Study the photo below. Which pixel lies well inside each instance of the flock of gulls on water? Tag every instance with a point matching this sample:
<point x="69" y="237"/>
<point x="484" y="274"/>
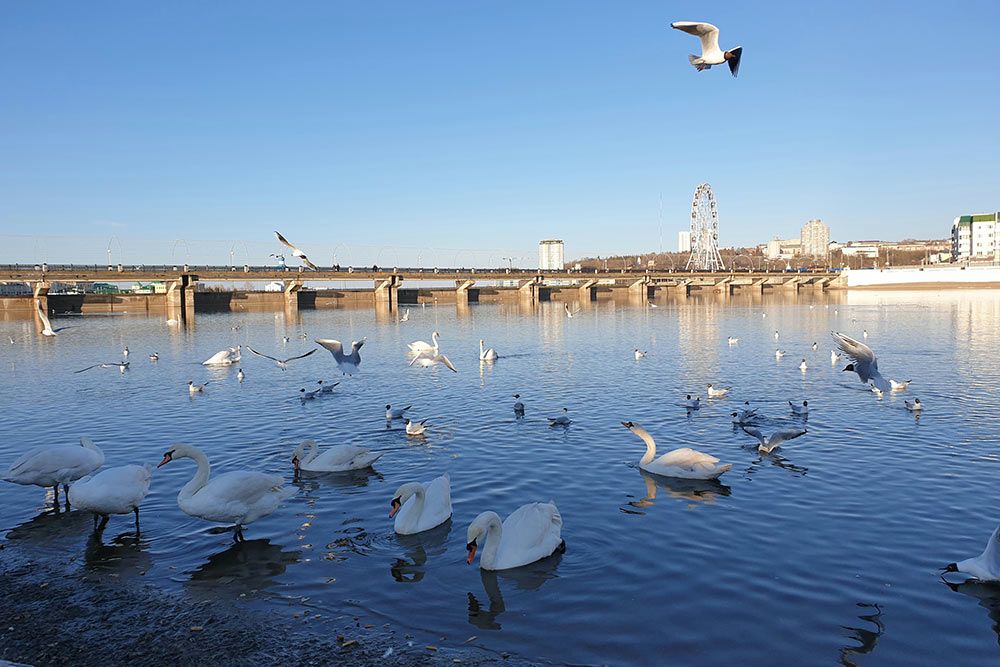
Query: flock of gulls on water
<point x="530" y="533"/>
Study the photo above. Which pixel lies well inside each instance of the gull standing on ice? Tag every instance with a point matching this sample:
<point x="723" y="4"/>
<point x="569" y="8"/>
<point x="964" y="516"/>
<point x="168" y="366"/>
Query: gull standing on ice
<point x="711" y="54"/>
<point x="767" y="445"/>
<point x="296" y="252"/>
<point x="865" y="363"/>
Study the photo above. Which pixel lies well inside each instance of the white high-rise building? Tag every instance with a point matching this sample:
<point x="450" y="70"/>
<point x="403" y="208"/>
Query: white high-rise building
<point x="551" y="255"/>
<point x="684" y="241"/>
<point x="815" y="239"/>
<point x="976" y="236"/>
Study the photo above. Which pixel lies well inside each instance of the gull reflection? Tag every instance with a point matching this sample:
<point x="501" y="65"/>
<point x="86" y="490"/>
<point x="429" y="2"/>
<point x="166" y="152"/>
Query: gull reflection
<point x="527" y="578"/>
<point x="417" y="548"/>
<point x="694" y="491"/>
<point x="866" y="637"/>
<point x="252" y="564"/>
<point x="988" y="595"/>
<point x="775" y="459"/>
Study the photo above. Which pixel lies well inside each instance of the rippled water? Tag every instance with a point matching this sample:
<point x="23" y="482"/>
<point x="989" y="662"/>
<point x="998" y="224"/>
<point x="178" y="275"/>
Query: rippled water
<point x="825" y="552"/>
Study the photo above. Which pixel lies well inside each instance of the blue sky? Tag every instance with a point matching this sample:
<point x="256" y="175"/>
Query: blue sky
<point x="492" y="124"/>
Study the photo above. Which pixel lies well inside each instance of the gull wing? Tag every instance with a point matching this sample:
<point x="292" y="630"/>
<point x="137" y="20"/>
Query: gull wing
<point x="264" y="355"/>
<point x="707" y="32"/>
<point x="285" y="242"/>
<point x="757" y="434"/>
<point x="734" y="63"/>
<point x="335" y="346"/>
<point x="285" y="361"/>
<point x="305" y="260"/>
<point x="89" y="367"/>
<point x="41" y="314"/>
<point x="446" y="361"/>
<point x="781" y="436"/>
<point x="865" y="361"/>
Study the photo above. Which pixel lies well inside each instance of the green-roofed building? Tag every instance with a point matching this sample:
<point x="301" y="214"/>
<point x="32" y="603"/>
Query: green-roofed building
<point x="975" y="237"/>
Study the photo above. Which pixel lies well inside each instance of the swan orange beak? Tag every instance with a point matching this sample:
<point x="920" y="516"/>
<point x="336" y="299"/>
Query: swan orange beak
<point x="395" y="507"/>
<point x="165" y="461"/>
<point x="471" y="547"/>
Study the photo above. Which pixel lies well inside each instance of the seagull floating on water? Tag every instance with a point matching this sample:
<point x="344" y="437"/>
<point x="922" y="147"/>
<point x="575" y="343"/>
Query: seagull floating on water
<point x="326" y="388"/>
<point x="155" y="356"/>
<point x="196" y="388"/>
<point x="834" y="357"/>
<point x="296" y="252"/>
<point x="733" y="341"/>
<point x="717" y="393"/>
<point x="308" y="395"/>
<point x="803" y="366"/>
<point x="693" y="403"/>
<point x="899" y="386"/>
<point x="406" y="316"/>
<point x="241" y="375"/>
<point x="801" y="410"/>
<point x="571" y="313"/>
<point x="347" y="363"/>
<point x="561" y="420"/>
<point x="639" y="355"/>
<point x="913" y="406"/>
<point x="876" y="390"/>
<point x="768" y="445"/>
<point x="744" y="416"/>
<point x="415" y="428"/>
<point x="865" y="363"/>
<point x="711" y="54"/>
<point x="815" y="345"/>
<point x="778" y="354"/>
<point x="391" y="414"/>
<point x="282" y="363"/>
<point x="518" y="405"/>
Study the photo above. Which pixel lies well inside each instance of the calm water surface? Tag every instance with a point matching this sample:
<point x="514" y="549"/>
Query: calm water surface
<point x="825" y="552"/>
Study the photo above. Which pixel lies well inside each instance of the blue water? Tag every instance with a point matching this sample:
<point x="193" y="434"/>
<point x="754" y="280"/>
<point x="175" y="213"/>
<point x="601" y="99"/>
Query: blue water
<point x="824" y="552"/>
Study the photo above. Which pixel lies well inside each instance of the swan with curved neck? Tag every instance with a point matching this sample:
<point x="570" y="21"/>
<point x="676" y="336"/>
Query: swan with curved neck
<point x="335" y="459"/>
<point x="419" y="507"/>
<point x="423" y="346"/>
<point x="52" y="466"/>
<point x="239" y="497"/>
<point x="486" y="355"/>
<point x="685" y="463"/>
<point x="530" y="533"/>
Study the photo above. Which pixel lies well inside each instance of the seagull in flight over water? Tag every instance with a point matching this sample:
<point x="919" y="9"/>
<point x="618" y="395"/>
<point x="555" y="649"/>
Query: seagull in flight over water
<point x="122" y="366"/>
<point x="865" y="364"/>
<point x="767" y="445"/>
<point x="711" y="54"/>
<point x="282" y="363"/>
<point x="348" y="363"/>
<point x="296" y="252"/>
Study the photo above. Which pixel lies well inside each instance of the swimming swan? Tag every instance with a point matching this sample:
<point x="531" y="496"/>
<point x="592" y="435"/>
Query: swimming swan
<point x="335" y="459"/>
<point x="532" y="532"/>
<point x="419" y="507"/>
<point x="685" y="462"/>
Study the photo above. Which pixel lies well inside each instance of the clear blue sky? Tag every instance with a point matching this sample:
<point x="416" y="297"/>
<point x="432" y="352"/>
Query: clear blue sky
<point x="493" y="124"/>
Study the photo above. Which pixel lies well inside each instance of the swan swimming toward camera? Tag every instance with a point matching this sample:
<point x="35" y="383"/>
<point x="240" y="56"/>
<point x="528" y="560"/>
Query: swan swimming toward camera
<point x="531" y="532"/>
<point x="421" y="506"/>
<point x="486" y="355"/>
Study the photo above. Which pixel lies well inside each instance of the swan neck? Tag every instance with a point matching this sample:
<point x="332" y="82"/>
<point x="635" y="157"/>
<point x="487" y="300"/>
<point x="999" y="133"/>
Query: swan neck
<point x="494" y="533"/>
<point x="313" y="451"/>
<point x="650" y="446"/>
<point x="200" y="478"/>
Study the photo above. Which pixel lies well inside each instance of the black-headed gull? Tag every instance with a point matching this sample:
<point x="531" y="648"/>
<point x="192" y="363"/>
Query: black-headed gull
<point x="415" y="428"/>
<point x="518" y="404"/>
<point x="803" y="366"/>
<point x="714" y="392"/>
<point x="282" y="363"/>
<point x="865" y="363"/>
<point x="801" y="410"/>
<point x="196" y="388"/>
<point x="769" y="444"/>
<point x="347" y="363"/>
<point x="985" y="566"/>
<point x="914" y="406"/>
<point x="391" y="414"/>
<point x="296" y="252"/>
<point x="692" y="403"/>
<point x="711" y="54"/>
<point x="899" y="386"/>
<point x="561" y="420"/>
<point x="121" y="365"/>
<point x="639" y="355"/>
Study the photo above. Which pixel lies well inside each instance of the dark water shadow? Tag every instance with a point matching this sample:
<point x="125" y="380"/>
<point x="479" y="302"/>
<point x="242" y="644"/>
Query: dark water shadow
<point x="245" y="566"/>
<point x="309" y="482"/>
<point x="124" y="555"/>
<point x="692" y="490"/>
<point x="528" y="578"/>
<point x="988" y="595"/>
<point x="52" y="524"/>
<point x="867" y="638"/>
<point x="775" y="459"/>
<point x="416" y="550"/>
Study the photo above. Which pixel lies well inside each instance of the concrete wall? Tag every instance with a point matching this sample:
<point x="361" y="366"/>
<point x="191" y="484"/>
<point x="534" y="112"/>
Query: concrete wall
<point x="929" y="276"/>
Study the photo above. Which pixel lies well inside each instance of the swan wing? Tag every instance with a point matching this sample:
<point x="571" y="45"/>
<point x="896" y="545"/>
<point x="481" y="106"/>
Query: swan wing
<point x="112" y="491"/>
<point x="63" y="463"/>
<point x="337" y="456"/>
<point x="530" y="533"/>
<point x="240" y="489"/>
<point x="707" y="32"/>
<point x="220" y="357"/>
<point x="685" y="457"/>
<point x="437" y="502"/>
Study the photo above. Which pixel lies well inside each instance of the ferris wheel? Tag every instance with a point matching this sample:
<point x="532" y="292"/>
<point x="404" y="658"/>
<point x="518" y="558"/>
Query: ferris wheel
<point x="704" y="232"/>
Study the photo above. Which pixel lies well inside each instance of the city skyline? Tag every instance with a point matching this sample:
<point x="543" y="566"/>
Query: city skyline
<point x="422" y="126"/>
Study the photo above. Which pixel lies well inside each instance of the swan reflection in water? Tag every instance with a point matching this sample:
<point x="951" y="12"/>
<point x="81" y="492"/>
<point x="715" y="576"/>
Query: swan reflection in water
<point x="988" y="595"/>
<point x="310" y="482"/>
<point x="417" y="549"/>
<point x="529" y="577"/>
<point x="52" y="524"/>
<point x="252" y="564"/>
<point x="867" y="637"/>
<point x="694" y="491"/>
<point x="124" y="555"/>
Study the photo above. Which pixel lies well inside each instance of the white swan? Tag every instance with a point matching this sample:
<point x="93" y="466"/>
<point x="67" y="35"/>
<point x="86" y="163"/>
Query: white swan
<point x="347" y="363"/>
<point x="239" y="497"/>
<point x="51" y="466"/>
<point x="684" y="462"/>
<point x="419" y="507"/>
<point x="767" y="445"/>
<point x="224" y="357"/>
<point x="335" y="459"/>
<point x="116" y="490"/>
<point x="711" y="54"/>
<point x="423" y="346"/>
<point x="46" y="326"/>
<point x="486" y="355"/>
<point x="985" y="566"/>
<point x="532" y="532"/>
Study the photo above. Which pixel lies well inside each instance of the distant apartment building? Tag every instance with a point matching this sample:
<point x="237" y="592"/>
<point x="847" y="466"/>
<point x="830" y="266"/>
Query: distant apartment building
<point x="815" y="239"/>
<point x="862" y="248"/>
<point x="975" y="237"/>
<point x="551" y="255"/>
<point x="684" y="241"/>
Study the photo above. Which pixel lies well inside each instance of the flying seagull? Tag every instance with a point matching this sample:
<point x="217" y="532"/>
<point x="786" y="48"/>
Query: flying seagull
<point x="296" y="252"/>
<point x="711" y="54"/>
<point x="282" y="363"/>
<point x="348" y="363"/>
<point x="122" y="366"/>
<point x="47" y="329"/>
<point x="769" y="444"/>
<point x="865" y="363"/>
